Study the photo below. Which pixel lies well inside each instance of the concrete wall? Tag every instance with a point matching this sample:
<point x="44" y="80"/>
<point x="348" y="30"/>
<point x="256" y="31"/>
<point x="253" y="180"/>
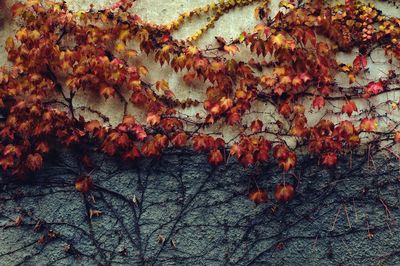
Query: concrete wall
<point x="187" y="213"/>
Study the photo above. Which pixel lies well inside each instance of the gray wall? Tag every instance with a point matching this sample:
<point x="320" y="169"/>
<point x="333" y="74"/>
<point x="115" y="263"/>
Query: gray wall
<point x="204" y="212"/>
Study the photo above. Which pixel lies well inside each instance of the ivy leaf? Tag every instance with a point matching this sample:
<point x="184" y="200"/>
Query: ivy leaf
<point x="34" y="162"/>
<point x="258" y="195"/>
<point x="18" y="220"/>
<point x="256" y="126"/>
<point x="318" y="102"/>
<point x="153" y="119"/>
<point x="359" y="63"/>
<point x="374" y="88"/>
<point x="215" y="157"/>
<point x="231" y="49"/>
<point x="132" y="154"/>
<point x="329" y="159"/>
<point x="289" y="162"/>
<point x="84" y="183"/>
<point x="17" y="9"/>
<point x="94" y="213"/>
<point x="349" y="107"/>
<point x="179" y="140"/>
<point x="369" y="124"/>
<point x="397" y="137"/>
<point x="284" y="192"/>
<point x="107" y="91"/>
<point x="92" y="125"/>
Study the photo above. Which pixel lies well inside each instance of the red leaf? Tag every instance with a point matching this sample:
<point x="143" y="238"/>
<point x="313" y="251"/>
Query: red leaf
<point x="318" y="102"/>
<point x="329" y="159"/>
<point x="285" y="109"/>
<point x="289" y="162"/>
<point x="92" y="125"/>
<point x="215" y="157"/>
<point x="17" y="9"/>
<point x="374" y="88"/>
<point x="256" y="126"/>
<point x="349" y="107"/>
<point x="281" y="151"/>
<point x="42" y="147"/>
<point x="107" y="91"/>
<point x="84" y="184"/>
<point x="258" y="195"/>
<point x="369" y="124"/>
<point x="284" y="192"/>
<point x="309" y="35"/>
<point x="6" y="162"/>
<point x="34" y="162"/>
<point x="179" y="140"/>
<point x="153" y="119"/>
<point x="247" y="160"/>
<point x="132" y="154"/>
<point x="360" y="62"/>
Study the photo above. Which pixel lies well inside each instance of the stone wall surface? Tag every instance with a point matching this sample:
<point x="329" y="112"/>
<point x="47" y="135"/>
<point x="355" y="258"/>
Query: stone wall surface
<point x="180" y="211"/>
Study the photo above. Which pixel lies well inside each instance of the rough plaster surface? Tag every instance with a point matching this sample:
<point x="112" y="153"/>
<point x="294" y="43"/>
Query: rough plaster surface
<point x="203" y="214"/>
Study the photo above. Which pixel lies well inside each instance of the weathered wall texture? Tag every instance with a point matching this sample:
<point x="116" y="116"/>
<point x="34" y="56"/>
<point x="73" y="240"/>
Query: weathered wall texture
<point x="343" y="216"/>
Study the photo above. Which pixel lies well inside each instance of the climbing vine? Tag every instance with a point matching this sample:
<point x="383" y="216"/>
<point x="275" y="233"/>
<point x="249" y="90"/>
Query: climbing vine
<point x="57" y="53"/>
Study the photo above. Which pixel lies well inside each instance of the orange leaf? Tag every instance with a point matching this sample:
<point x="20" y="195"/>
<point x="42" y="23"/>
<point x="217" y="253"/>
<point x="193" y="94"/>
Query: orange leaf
<point x="131" y="154"/>
<point x="288" y="162"/>
<point x="18" y="220"/>
<point x="84" y="184"/>
<point x="215" y="157"/>
<point x="189" y="77"/>
<point x="349" y="107"/>
<point x="107" y="91"/>
<point x="129" y="120"/>
<point x="153" y="119"/>
<point x="369" y="124"/>
<point x="232" y="49"/>
<point x="256" y="126"/>
<point x="397" y="137"/>
<point x="162" y="85"/>
<point x="360" y="62"/>
<point x="284" y="192"/>
<point x="17" y="9"/>
<point x="318" y="102"/>
<point x="329" y="159"/>
<point x="34" y="162"/>
<point x="179" y="140"/>
<point x="225" y="103"/>
<point x="374" y="88"/>
<point x="6" y="162"/>
<point x="12" y="150"/>
<point x="94" y="213"/>
<point x="258" y="195"/>
<point x="92" y="125"/>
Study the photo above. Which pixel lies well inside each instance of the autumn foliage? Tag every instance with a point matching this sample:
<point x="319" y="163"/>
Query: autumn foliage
<point x="57" y="53"/>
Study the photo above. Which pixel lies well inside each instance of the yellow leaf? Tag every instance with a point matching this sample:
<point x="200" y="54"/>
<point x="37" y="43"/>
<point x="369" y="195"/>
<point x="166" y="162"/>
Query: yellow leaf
<point x="123" y="35"/>
<point x="9" y="44"/>
<point x="120" y="47"/>
<point x="278" y="40"/>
